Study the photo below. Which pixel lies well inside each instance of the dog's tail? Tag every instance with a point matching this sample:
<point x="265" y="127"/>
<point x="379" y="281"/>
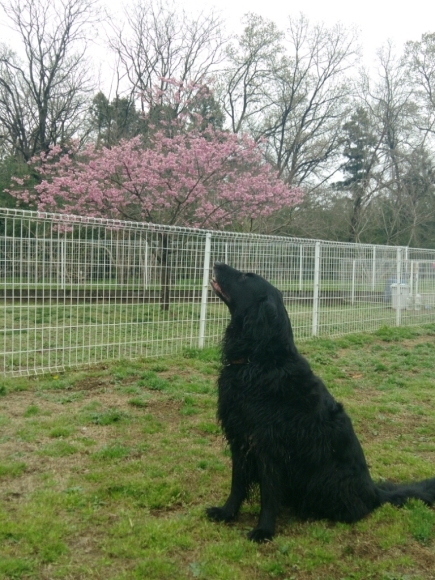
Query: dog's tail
<point x="399" y="494"/>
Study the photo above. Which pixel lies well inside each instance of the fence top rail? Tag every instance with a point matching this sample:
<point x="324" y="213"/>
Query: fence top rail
<point x="72" y="219"/>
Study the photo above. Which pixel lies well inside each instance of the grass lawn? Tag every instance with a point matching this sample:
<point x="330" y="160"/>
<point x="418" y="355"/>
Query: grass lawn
<point x="39" y="338"/>
<point x="105" y="473"/>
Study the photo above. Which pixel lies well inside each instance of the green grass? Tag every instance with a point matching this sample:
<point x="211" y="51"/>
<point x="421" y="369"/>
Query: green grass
<point x="105" y="473"/>
<point x="133" y="284"/>
<point x="38" y="338"/>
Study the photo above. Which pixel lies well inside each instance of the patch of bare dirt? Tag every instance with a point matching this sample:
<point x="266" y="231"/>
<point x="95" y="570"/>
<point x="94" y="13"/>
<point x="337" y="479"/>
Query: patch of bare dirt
<point x="90" y="383"/>
<point x="409" y="343"/>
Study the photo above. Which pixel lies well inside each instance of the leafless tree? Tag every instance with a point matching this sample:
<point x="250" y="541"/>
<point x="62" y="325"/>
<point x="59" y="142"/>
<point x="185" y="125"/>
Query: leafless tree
<point x="290" y="89"/>
<point x="247" y="83"/>
<point x="158" y="41"/>
<point x="303" y="128"/>
<point x="420" y="60"/>
<point x="393" y="109"/>
<point x="44" y="91"/>
<point x="401" y="208"/>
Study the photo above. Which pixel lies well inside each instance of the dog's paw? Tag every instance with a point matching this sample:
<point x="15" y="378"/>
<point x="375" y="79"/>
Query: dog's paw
<point x="260" y="535"/>
<point x="218" y="514"/>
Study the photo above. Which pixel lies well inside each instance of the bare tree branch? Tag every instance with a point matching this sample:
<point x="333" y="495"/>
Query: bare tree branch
<point x="44" y="94"/>
<point x="158" y="41"/>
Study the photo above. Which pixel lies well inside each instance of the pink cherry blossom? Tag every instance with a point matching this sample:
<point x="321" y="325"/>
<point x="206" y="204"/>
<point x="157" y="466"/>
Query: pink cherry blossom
<point x="186" y="177"/>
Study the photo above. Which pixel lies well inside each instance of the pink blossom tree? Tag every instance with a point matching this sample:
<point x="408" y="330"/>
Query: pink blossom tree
<point x="183" y="172"/>
<point x="199" y="179"/>
<point x="185" y="175"/>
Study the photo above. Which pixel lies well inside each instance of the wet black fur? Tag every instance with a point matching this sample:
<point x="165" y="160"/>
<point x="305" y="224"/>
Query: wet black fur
<point x="285" y="430"/>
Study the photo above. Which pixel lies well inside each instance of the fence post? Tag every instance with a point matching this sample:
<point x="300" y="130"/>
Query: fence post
<point x="411" y="279"/>
<point x="62" y="263"/>
<point x="316" y="289"/>
<point x="353" y="282"/>
<point x="301" y="266"/>
<point x="146" y="266"/>
<point x="399" y="286"/>
<point x="205" y="285"/>
<point x="374" y="269"/>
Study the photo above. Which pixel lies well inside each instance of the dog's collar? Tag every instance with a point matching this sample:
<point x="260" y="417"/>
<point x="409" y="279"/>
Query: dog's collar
<point x="238" y="361"/>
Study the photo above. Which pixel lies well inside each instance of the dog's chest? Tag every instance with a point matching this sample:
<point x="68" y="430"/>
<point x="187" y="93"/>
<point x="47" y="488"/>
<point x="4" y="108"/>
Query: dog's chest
<point x="244" y="406"/>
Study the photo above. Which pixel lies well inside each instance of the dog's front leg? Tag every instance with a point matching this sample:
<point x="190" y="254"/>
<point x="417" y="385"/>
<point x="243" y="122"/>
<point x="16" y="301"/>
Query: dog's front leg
<point x="240" y="482"/>
<point x="270" y="503"/>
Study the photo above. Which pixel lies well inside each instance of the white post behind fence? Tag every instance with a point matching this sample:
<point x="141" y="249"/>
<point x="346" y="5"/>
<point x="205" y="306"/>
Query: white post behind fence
<point x="301" y="266"/>
<point x="411" y="279"/>
<point x="399" y="286"/>
<point x="205" y="287"/>
<point x="316" y="289"/>
<point x="146" y="265"/>
<point x="62" y="263"/>
<point x="353" y="282"/>
<point x="374" y="269"/>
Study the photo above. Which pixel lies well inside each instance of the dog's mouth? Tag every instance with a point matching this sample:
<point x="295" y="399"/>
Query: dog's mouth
<point x="218" y="290"/>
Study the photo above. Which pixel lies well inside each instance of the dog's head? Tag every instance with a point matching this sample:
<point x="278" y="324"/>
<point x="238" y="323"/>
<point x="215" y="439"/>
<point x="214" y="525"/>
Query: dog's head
<point x="256" y="307"/>
<point x="241" y="291"/>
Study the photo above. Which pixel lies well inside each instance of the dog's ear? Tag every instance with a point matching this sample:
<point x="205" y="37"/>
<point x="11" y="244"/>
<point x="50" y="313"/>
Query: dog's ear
<point x="267" y="312"/>
<point x="263" y="322"/>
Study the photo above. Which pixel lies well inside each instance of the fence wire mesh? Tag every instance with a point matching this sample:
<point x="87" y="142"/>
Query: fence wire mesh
<point x="78" y="291"/>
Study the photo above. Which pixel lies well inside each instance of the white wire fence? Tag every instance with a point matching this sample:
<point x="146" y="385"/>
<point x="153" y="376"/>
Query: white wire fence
<point x="77" y="291"/>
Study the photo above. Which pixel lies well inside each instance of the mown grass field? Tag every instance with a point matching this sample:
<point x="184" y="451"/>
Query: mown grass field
<point x="105" y="473"/>
<point x="38" y="338"/>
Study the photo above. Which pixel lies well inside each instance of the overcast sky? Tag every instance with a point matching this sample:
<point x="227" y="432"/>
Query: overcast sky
<point x="378" y="20"/>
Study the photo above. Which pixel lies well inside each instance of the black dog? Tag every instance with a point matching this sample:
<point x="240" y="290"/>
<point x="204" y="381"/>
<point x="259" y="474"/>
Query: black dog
<point x="285" y="430"/>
